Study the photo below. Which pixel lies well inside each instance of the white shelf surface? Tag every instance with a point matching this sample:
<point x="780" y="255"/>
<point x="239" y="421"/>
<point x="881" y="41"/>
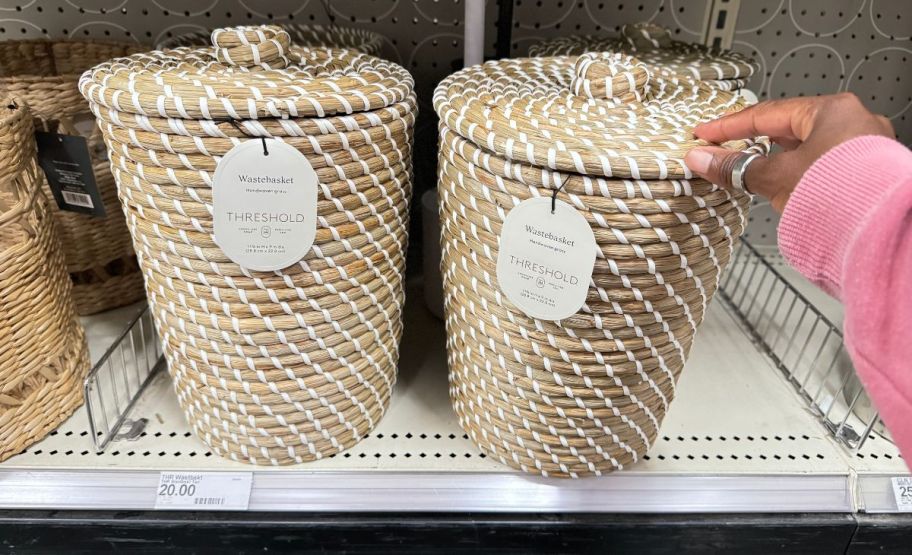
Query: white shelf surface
<point x="737" y="439"/>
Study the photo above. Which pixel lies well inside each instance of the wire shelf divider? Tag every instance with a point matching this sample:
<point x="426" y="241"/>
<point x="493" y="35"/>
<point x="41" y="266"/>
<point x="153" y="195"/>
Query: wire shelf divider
<point x="119" y="378"/>
<point x="805" y="345"/>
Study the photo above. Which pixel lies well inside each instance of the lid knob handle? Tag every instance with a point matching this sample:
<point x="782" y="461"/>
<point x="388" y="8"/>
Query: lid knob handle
<point x="610" y="75"/>
<point x="646" y="36"/>
<point x="264" y="46"/>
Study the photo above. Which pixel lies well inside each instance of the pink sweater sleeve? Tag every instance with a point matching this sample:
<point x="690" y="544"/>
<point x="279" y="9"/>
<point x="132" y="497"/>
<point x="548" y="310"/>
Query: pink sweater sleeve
<point x="848" y="228"/>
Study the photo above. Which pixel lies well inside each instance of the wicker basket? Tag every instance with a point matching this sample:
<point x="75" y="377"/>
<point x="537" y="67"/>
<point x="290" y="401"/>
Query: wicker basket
<point x="584" y="395"/>
<point x="652" y="45"/>
<point x="270" y="367"/>
<point x="43" y="353"/>
<point x="362" y="40"/>
<point x="98" y="251"/>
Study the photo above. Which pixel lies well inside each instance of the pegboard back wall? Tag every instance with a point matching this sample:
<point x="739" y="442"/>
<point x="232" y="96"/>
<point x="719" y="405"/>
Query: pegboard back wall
<point x="804" y="47"/>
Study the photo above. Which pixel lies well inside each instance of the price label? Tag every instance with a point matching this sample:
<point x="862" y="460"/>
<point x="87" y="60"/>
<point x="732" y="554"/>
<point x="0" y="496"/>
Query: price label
<point x="902" y="491"/>
<point x="208" y="491"/>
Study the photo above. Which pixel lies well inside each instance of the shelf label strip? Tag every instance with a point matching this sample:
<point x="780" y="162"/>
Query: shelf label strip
<point x="902" y="491"/>
<point x="210" y="491"/>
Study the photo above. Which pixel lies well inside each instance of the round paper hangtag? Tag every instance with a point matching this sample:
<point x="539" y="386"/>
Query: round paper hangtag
<point x="545" y="260"/>
<point x="264" y="205"/>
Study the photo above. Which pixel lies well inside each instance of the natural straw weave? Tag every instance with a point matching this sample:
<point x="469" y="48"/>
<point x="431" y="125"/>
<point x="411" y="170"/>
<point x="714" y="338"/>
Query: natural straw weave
<point x="98" y="251"/>
<point x="584" y="395"/>
<point x="362" y="40"/>
<point x="653" y="45"/>
<point x="270" y="367"/>
<point x="43" y="353"/>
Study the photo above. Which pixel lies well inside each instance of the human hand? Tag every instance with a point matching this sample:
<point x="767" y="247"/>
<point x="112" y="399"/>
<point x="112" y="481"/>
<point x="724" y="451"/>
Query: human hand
<point x="805" y="128"/>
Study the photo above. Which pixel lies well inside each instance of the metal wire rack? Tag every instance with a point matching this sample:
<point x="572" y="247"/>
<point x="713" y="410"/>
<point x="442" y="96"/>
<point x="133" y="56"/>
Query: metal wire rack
<point x="119" y="378"/>
<point x="802" y="342"/>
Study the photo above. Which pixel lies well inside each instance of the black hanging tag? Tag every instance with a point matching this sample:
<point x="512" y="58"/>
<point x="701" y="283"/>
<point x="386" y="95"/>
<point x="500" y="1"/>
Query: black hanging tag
<point x="554" y="195"/>
<point x="66" y="163"/>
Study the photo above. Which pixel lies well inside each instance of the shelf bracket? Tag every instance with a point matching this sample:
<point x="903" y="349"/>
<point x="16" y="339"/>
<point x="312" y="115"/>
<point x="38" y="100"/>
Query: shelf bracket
<point x="720" y="22"/>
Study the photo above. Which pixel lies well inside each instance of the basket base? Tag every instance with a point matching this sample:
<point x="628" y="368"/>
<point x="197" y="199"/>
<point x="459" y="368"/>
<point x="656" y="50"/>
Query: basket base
<point x="46" y="408"/>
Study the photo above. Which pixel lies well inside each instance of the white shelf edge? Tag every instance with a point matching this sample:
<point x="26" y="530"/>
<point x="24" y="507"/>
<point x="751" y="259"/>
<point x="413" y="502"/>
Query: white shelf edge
<point x="447" y="492"/>
<point x="874" y="494"/>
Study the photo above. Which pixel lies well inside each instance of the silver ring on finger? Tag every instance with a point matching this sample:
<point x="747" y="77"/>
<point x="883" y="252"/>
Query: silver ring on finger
<point x="739" y="170"/>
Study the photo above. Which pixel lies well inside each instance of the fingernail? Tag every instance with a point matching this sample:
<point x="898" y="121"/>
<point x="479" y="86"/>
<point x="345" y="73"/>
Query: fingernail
<point x="698" y="160"/>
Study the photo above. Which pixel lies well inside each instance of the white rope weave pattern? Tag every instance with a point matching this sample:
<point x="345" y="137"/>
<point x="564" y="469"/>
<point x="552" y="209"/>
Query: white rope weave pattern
<point x="653" y="46"/>
<point x="585" y="395"/>
<point x="610" y="75"/>
<point x="270" y="367"/>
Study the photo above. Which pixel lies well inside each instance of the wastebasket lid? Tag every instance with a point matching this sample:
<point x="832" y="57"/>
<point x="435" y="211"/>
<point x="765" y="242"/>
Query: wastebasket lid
<point x="598" y="114"/>
<point x="250" y="72"/>
<point x="653" y="45"/>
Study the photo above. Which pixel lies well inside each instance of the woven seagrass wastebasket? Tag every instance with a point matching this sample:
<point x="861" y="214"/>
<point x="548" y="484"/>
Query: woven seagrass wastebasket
<point x="653" y="45"/>
<point x="362" y="40"/>
<point x="43" y="353"/>
<point x="584" y="395"/>
<point x="98" y="250"/>
<point x="270" y="367"/>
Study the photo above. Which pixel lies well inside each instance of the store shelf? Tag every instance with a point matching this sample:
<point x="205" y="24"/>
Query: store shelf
<point x="769" y="420"/>
<point x="737" y="439"/>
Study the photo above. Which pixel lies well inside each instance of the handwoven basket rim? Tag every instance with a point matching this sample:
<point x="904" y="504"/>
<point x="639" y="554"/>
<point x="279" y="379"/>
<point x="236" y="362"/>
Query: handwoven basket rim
<point x="61" y="77"/>
<point x="320" y="82"/>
